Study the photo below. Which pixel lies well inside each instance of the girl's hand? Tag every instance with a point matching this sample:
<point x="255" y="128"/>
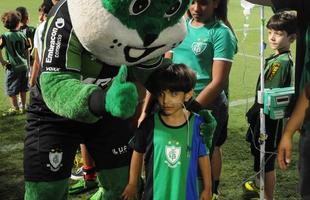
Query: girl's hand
<point x="130" y="192"/>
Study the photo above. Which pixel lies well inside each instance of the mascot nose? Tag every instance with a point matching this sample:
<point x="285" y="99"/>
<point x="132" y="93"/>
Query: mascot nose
<point x="149" y="39"/>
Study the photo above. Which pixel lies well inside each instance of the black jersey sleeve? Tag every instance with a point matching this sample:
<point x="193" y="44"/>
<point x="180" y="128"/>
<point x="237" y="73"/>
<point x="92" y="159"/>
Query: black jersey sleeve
<point x="143" y="134"/>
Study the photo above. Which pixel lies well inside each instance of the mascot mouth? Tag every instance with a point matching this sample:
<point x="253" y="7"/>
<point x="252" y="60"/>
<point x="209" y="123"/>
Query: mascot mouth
<point x="135" y="54"/>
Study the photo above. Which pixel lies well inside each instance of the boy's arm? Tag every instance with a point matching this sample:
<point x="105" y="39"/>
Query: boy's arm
<point x="205" y="168"/>
<point x="293" y="124"/>
<point x="130" y="191"/>
<point x="2" y="61"/>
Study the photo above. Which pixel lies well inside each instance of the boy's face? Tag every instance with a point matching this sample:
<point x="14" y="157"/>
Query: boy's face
<point x="279" y="40"/>
<point x="172" y="102"/>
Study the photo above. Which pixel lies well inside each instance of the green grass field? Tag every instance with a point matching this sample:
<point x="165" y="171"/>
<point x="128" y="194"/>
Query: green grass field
<point x="237" y="158"/>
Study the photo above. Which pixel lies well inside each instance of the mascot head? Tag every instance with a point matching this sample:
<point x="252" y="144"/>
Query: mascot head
<point x="128" y="31"/>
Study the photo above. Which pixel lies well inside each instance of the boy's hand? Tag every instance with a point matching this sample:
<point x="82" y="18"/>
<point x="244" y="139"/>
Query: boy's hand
<point x="205" y="195"/>
<point x="285" y="151"/>
<point x="208" y="127"/>
<point x="122" y="96"/>
<point x="130" y="192"/>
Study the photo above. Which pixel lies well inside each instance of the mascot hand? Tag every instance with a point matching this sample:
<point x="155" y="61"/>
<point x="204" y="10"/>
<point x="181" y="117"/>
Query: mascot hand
<point x="122" y="96"/>
<point x="208" y="127"/>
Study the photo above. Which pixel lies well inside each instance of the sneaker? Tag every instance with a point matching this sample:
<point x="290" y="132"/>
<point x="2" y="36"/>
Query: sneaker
<point x="215" y="196"/>
<point x="98" y="195"/>
<point x="251" y="187"/>
<point x="82" y="186"/>
<point x="22" y="111"/>
<point x="78" y="174"/>
<point x="10" y="112"/>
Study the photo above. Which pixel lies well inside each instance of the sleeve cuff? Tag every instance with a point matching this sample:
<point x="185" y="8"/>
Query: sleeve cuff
<point x="97" y="102"/>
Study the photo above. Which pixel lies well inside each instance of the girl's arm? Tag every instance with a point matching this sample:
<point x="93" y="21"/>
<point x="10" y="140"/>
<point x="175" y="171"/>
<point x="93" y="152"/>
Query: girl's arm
<point x="293" y="125"/>
<point x="205" y="168"/>
<point x="220" y="75"/>
<point x="130" y="191"/>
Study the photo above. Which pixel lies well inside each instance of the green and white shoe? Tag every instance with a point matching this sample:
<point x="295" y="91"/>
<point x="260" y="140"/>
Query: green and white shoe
<point x="82" y="186"/>
<point x="98" y="195"/>
<point x="10" y="112"/>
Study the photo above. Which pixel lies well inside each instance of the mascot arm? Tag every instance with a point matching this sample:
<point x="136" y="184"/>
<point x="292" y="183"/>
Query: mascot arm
<point x="67" y="96"/>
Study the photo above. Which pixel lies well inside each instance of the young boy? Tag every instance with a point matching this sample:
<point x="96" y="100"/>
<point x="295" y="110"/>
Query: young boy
<point x="29" y="31"/>
<point x="16" y="46"/>
<point x="171" y="142"/>
<point x="278" y="73"/>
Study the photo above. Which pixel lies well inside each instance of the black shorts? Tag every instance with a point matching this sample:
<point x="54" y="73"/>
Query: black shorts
<point x="304" y="164"/>
<point x="274" y="133"/>
<point x="16" y="82"/>
<point x="220" y="112"/>
<point x="51" y="144"/>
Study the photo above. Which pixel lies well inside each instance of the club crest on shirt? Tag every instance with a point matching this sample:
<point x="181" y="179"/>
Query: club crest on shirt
<point x="55" y="158"/>
<point x="173" y="154"/>
<point x="199" y="46"/>
<point x="273" y="70"/>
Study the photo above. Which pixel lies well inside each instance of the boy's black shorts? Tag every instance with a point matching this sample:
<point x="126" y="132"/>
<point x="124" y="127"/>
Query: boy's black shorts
<point x="51" y="144"/>
<point x="274" y="132"/>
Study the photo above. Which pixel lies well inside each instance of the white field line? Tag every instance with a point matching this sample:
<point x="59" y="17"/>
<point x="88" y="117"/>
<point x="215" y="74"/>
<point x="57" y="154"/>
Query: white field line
<point x="249" y="56"/>
<point x="11" y="147"/>
<point x="240" y="102"/>
<point x="250" y="29"/>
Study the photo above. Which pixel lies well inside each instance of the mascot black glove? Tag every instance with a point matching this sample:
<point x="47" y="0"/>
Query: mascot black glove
<point x="122" y="96"/>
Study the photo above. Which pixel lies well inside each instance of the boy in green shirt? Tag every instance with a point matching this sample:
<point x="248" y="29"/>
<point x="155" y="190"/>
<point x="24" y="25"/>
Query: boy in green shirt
<point x="16" y="47"/>
<point x="278" y="73"/>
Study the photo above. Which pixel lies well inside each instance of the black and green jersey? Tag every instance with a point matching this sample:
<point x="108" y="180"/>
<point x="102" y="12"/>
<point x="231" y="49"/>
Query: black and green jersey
<point x="278" y="71"/>
<point x="15" y="45"/>
<point x="171" y="157"/>
<point x="71" y="75"/>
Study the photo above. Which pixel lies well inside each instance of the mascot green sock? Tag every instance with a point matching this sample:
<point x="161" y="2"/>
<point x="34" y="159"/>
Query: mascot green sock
<point x="56" y="190"/>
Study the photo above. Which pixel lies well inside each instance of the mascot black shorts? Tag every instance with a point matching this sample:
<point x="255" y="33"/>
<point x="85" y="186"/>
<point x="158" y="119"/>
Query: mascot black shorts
<point x="51" y="144"/>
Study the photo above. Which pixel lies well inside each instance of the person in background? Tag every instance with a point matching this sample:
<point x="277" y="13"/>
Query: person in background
<point x="302" y="76"/>
<point x="15" y="63"/>
<point x="278" y="73"/>
<point x="29" y="31"/>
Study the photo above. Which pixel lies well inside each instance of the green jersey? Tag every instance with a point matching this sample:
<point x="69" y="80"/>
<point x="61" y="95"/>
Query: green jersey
<point x="201" y="46"/>
<point x="15" y="45"/>
<point x="171" y="157"/>
<point x="278" y="71"/>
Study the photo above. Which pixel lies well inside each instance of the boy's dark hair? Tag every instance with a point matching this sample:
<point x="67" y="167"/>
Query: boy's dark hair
<point x="45" y="7"/>
<point x="283" y="21"/>
<point x="11" y="19"/>
<point x="176" y="77"/>
<point x="23" y="12"/>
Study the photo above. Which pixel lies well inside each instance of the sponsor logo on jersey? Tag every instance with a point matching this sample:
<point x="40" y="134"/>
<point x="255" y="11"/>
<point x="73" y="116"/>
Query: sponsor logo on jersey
<point x="199" y="46"/>
<point x="273" y="70"/>
<point x="55" y="41"/>
<point x="173" y="154"/>
<point x="55" y="158"/>
<point x="100" y="82"/>
<point x="120" y="150"/>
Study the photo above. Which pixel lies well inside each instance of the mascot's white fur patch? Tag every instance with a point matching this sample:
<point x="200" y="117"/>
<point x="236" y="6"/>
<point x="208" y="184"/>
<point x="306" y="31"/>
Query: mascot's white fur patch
<point x="98" y="31"/>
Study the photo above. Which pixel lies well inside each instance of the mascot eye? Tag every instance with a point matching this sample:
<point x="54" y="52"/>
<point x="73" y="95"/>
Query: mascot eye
<point x="137" y="7"/>
<point x="173" y="8"/>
